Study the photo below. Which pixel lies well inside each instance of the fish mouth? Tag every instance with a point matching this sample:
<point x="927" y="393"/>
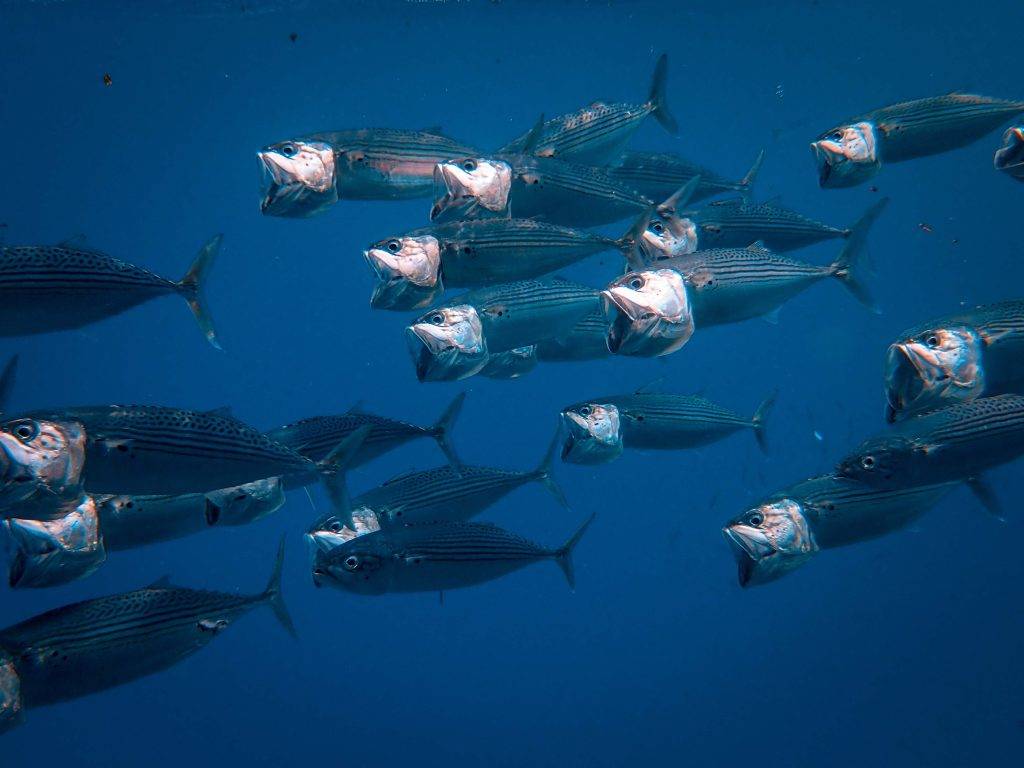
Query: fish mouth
<point x="284" y="197"/>
<point x="437" y="359"/>
<point x="636" y="331"/>
<point x="904" y="380"/>
<point x="445" y="198"/>
<point x="749" y="551"/>
<point x="824" y="158"/>
<point x="1010" y="157"/>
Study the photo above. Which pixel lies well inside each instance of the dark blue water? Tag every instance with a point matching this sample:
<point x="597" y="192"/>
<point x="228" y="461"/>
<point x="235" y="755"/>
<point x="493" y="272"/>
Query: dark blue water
<point x="903" y="651"/>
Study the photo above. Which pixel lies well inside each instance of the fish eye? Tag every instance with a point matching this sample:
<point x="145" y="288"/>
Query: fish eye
<point x="394" y="246"/>
<point x="836" y="135"/>
<point x="351" y="563"/>
<point x="335" y="526"/>
<point x="755" y="519"/>
<point x="586" y="410"/>
<point x="868" y="462"/>
<point x="636" y="283"/>
<point x="469" y="165"/>
<point x="932" y="341"/>
<point x="437" y="318"/>
<point x="289" y="150"/>
<point x="26" y="431"/>
<point x="657" y="227"/>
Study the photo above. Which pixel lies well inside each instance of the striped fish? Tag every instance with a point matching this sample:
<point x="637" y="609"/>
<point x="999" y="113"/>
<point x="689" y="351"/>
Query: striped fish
<point x="438" y="494"/>
<point x="585" y="341"/>
<point x="957" y="442"/>
<point x="955" y="358"/>
<point x="513" y="364"/>
<point x="59" y="288"/>
<point x="657" y="175"/>
<point x="306" y="175"/>
<point x="432" y="557"/>
<point x="659" y="420"/>
<point x="317" y="436"/>
<point x="475" y="253"/>
<point x="155" y="450"/>
<point x="1009" y="158"/>
<point x="98" y="644"/>
<point x="855" y="150"/>
<point x="598" y="133"/>
<point x="785" y="530"/>
<point x="455" y="340"/>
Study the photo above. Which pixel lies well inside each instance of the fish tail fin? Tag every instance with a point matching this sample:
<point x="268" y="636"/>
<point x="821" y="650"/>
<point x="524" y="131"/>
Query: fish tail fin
<point x="563" y="555"/>
<point x="192" y="284"/>
<point x="656" y="98"/>
<point x="760" y="417"/>
<point x="544" y="474"/>
<point x="7" y="381"/>
<point x="274" y="598"/>
<point x="747" y="182"/>
<point x="332" y="471"/>
<point x="442" y="430"/>
<point x="629" y="243"/>
<point x="850" y="264"/>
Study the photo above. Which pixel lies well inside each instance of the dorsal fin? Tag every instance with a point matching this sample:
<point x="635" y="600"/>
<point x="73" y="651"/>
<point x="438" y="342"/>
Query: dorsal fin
<point x="434" y="129"/>
<point x="75" y="241"/>
<point x="649" y="387"/>
<point x="164" y="582"/>
<point x="532" y="139"/>
<point x="773" y="201"/>
<point x="758" y="246"/>
<point x="355" y="409"/>
<point x="223" y="411"/>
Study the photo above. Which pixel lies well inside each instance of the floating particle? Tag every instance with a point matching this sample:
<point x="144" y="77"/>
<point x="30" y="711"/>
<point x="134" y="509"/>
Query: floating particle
<point x="818" y="436"/>
<point x="293" y="36"/>
<point x="956" y="241"/>
<point x="924" y="227"/>
<point x="872" y="188"/>
<point x="780" y="91"/>
<point x="107" y="79"/>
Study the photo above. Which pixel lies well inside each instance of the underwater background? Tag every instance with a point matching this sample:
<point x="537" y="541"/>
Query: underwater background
<point x="899" y="651"/>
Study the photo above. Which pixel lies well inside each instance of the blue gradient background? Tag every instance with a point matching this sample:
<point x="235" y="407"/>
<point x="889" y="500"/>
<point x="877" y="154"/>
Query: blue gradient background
<point x="899" y="652"/>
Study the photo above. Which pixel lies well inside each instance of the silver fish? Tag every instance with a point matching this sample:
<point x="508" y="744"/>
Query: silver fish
<point x="305" y="176"/>
<point x="598" y="133"/>
<point x="512" y="364"/>
<point x="781" y="533"/>
<point x="1010" y="157"/>
<point x="657" y="175"/>
<point x="586" y="341"/>
<point x="40" y="468"/>
<point x="11" y="708"/>
<point x="56" y="288"/>
<point x="854" y="151"/>
<point x="435" y="557"/>
<point x="956" y="358"/>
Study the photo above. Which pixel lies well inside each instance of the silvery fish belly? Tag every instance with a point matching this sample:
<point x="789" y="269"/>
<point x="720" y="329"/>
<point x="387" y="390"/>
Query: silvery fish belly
<point x="41" y="466"/>
<point x="658" y="175"/>
<point x="1010" y="157"/>
<point x="586" y="341"/>
<point x="513" y="364"/>
<point x="783" y="532"/>
<point x="154" y="450"/>
<point x="305" y="176"/>
<point x="599" y="132"/>
<point x="956" y="358"/>
<point x="11" y="708"/>
<point x="98" y="644"/>
<point x="854" y="151"/>
<point x="54" y="552"/>
<point x="957" y="442"/>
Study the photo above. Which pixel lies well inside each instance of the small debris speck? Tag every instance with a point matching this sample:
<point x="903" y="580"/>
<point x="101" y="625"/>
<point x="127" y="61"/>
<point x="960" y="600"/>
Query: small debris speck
<point x="872" y="188"/>
<point x="107" y="79"/>
<point x="924" y="227"/>
<point x="293" y="36"/>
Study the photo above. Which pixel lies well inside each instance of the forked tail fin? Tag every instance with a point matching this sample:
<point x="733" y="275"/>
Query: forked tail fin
<point x="563" y="556"/>
<point x="656" y="97"/>
<point x="274" y="598"/>
<point x="192" y="284"/>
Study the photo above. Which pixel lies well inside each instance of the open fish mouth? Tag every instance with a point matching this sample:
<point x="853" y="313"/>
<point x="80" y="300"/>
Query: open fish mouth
<point x="1010" y="157"/>
<point x="447" y="202"/>
<point x="283" y="196"/>
<point x="753" y="554"/>
<point x="438" y="360"/>
<point x="634" y="330"/>
<point x="401" y="295"/>
<point x="745" y="562"/>
<point x="904" y="381"/>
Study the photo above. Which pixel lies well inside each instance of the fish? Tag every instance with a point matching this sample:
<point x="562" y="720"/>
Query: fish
<point x="433" y="495"/>
<point x="50" y="553"/>
<point x="783" y="532"/>
<point x="655" y="311"/>
<point x="128" y="522"/>
<point x="158" y="450"/>
<point x="736" y="223"/>
<point x="598" y="133"/>
<point x="94" y="645"/>
<point x="315" y="437"/>
<point x="62" y="287"/>
<point x="855" y="150"/>
<point x="1009" y="158"/>
<point x="41" y="466"/>
<point x="524" y="186"/>
<point x="432" y="557"/>
<point x="658" y="174"/>
<point x="414" y="269"/>
<point x="585" y="341"/>
<point x="956" y="358"/>
<point x="513" y="364"/>
<point x="11" y="707"/>
<point x="958" y="442"/>
<point x="454" y="341"/>
<point x="599" y="429"/>
<point x="305" y="176"/>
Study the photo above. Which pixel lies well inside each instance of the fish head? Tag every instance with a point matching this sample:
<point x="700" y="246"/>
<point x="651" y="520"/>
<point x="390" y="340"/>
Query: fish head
<point x="362" y="565"/>
<point x="447" y="344"/>
<point x="769" y="541"/>
<point x="39" y="457"/>
<point x="470" y="186"/>
<point x="593" y="433"/>
<point x="1010" y="156"/>
<point x="649" y="313"/>
<point x="511" y="364"/>
<point x="847" y="155"/>
<point x="408" y="271"/>
<point x="11" y="707"/>
<point x="331" y="531"/>
<point x="245" y="504"/>
<point x="668" y="236"/>
<point x="879" y="460"/>
<point x="932" y="368"/>
<point x="298" y="178"/>
<point x="57" y="551"/>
